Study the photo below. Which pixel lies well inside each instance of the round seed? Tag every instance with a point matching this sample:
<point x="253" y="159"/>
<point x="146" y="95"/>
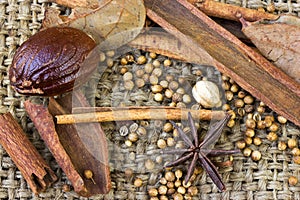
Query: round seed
<point x="281" y="119"/>
<point x="141" y="60"/>
<point x="158" y="97"/>
<point x="127" y="76"/>
<point x="161" y="143"/>
<point x="148" y="68"/>
<point x="241" y="144"/>
<point x="282" y="145"/>
<point x="162" y="189"/>
<point x="152" y="192"/>
<point x="257" y="141"/>
<point x="272" y="136"/>
<point x="292" y="143"/>
<point x="169" y="176"/>
<point x="138" y="182"/>
<point x="167" y="127"/>
<point x="167" y="62"/>
<point x="156" y="63"/>
<point x="256" y="155"/>
<point x="247" y="152"/>
<point x="293" y="180"/>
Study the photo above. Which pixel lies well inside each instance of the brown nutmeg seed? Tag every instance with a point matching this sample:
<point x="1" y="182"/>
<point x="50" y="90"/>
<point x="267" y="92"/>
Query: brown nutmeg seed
<point x="53" y="61"/>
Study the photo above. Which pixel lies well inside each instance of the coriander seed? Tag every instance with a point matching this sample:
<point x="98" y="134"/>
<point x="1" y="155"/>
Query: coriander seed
<point x="139" y="82"/>
<point x="152" y="55"/>
<point x="177" y="196"/>
<point x="163" y="197"/>
<point x="239" y="103"/>
<point x="272" y="136"/>
<point x="229" y="95"/>
<point x="282" y="145"/>
<point x="148" y="68"/>
<point x="161" y="143"/>
<point x="138" y="182"/>
<point x="156" y="88"/>
<point x="296" y="159"/>
<point x="123" y="70"/>
<point x="186" y="99"/>
<point x="139" y="73"/>
<point x="163" y="181"/>
<point x="234" y="88"/>
<point x="261" y="124"/>
<point x="248" y="99"/>
<point x="156" y="63"/>
<point x="89" y="175"/>
<point x="260" y="109"/>
<point x="274" y="127"/>
<point x="256" y="155"/>
<point x="171" y="191"/>
<point x="257" y="141"/>
<point x="128" y="85"/>
<point x="167" y="127"/>
<point x="231" y="123"/>
<point x="250" y="123"/>
<point x="247" y="152"/>
<point x="170" y="176"/>
<point x="170" y="184"/>
<point x="128" y="143"/>
<point x="164" y="83"/>
<point x="293" y="180"/>
<point x="178" y="173"/>
<point x="123" y="61"/>
<point x="153" y="80"/>
<point x="177" y="183"/>
<point x="157" y="72"/>
<point x="162" y="190"/>
<point x="281" y="119"/>
<point x="127" y="76"/>
<point x="193" y="190"/>
<point x="158" y="97"/>
<point x="248" y="140"/>
<point x="152" y="192"/>
<point x="167" y="62"/>
<point x="292" y="143"/>
<point x="173" y="85"/>
<point x="133" y="137"/>
<point x="181" y="190"/>
<point x="295" y="151"/>
<point x="226" y="107"/>
<point x="241" y="94"/>
<point x="169" y="78"/>
<point x="169" y="93"/>
<point x="250" y="132"/>
<point x="170" y="142"/>
<point x="66" y="187"/>
<point x="141" y="60"/>
<point x="149" y="164"/>
<point x="241" y="144"/>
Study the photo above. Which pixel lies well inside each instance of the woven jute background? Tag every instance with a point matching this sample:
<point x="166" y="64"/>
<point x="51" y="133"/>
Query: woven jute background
<point x="245" y="179"/>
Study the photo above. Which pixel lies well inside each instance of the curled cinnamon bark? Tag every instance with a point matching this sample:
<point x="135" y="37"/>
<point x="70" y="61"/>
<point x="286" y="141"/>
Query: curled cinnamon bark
<point x="33" y="167"/>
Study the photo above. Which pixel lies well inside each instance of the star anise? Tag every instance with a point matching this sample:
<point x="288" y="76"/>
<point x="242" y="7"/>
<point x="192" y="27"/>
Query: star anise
<point x="199" y="152"/>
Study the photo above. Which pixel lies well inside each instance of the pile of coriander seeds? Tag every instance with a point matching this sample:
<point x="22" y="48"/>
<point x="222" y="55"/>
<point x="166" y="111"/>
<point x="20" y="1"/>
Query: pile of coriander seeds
<point x="140" y="78"/>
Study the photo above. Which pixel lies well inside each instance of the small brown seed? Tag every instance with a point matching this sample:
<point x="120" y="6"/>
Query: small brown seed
<point x="163" y="197"/>
<point x="66" y="187"/>
<point x="231" y="123"/>
<point x="123" y="61"/>
<point x="170" y="184"/>
<point x="177" y="196"/>
<point x="173" y="85"/>
<point x="293" y="180"/>
<point x="157" y="72"/>
<point x="153" y="80"/>
<point x="139" y="82"/>
<point x="169" y="93"/>
<point x="261" y="124"/>
<point x="128" y="172"/>
<point x="163" y="181"/>
<point x="156" y="88"/>
<point x="186" y="99"/>
<point x="234" y="88"/>
<point x="272" y="136"/>
<point x="256" y="155"/>
<point x="229" y="95"/>
<point x="177" y="183"/>
<point x="261" y="109"/>
<point x="241" y="94"/>
<point x="226" y="107"/>
<point x="171" y="191"/>
<point x="226" y="85"/>
<point x="167" y="127"/>
<point x="128" y="85"/>
<point x="128" y="143"/>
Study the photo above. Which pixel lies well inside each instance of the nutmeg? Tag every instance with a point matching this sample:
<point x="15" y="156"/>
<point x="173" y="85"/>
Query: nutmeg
<point x="52" y="62"/>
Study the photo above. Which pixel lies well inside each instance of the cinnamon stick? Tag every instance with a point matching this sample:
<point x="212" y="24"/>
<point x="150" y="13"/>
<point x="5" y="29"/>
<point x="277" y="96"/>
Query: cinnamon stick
<point x="230" y="56"/>
<point x="105" y="114"/>
<point x="33" y="167"/>
<point x="231" y="12"/>
<point x="70" y="151"/>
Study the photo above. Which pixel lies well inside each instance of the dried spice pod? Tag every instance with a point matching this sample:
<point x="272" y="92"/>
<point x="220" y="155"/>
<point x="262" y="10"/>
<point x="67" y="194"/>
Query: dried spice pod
<point x="50" y="61"/>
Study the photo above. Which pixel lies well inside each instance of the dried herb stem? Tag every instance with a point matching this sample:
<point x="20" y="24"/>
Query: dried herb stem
<point x="105" y="114"/>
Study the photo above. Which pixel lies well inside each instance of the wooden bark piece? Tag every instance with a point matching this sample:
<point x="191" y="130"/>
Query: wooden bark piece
<point x="69" y="152"/>
<point x="248" y="68"/>
<point x="34" y="169"/>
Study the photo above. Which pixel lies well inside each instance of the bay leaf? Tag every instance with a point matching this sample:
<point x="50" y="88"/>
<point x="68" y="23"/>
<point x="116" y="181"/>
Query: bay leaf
<point x="112" y="24"/>
<point x="279" y="41"/>
<point x="166" y="44"/>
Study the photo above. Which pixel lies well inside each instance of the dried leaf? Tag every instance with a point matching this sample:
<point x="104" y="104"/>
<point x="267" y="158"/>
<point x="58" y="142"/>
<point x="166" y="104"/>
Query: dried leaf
<point x="166" y="44"/>
<point x="278" y="41"/>
<point x="112" y="24"/>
